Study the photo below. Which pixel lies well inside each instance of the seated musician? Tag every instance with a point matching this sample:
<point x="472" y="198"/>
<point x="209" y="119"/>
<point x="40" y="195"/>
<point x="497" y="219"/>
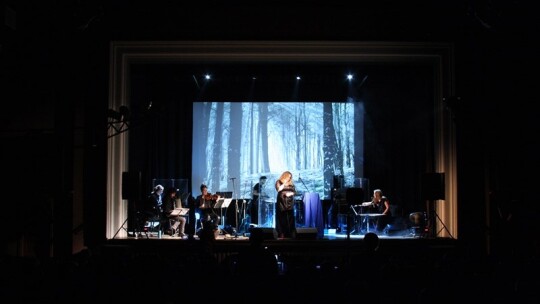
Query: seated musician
<point x="379" y="205"/>
<point x="176" y="223"/>
<point x="205" y="203"/>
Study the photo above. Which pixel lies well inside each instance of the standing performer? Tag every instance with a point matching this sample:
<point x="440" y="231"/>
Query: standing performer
<point x="257" y="200"/>
<point x="285" y="223"/>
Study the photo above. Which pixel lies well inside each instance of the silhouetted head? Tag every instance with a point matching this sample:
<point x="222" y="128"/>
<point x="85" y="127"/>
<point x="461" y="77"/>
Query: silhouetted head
<point x="256" y="236"/>
<point x="171" y="191"/>
<point x="371" y="241"/>
<point x="158" y="189"/>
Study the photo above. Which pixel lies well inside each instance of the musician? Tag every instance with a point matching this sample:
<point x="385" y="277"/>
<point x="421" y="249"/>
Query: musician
<point x="379" y="204"/>
<point x="285" y="222"/>
<point x="179" y="222"/>
<point x="152" y="207"/>
<point x="205" y="203"/>
<point x="257" y="200"/>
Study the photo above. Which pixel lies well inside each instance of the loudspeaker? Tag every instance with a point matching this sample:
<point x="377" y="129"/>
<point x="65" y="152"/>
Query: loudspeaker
<point x="309" y="233"/>
<point x="132" y="185"/>
<point x="433" y="186"/>
<point x="263" y="233"/>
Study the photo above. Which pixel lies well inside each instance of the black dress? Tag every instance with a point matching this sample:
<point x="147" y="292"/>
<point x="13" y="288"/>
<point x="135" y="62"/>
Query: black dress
<point x="285" y="222"/>
<point x="382" y="220"/>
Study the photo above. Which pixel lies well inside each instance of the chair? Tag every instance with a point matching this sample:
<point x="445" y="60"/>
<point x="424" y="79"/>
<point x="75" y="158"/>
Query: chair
<point x="152" y="226"/>
<point x="198" y="222"/>
<point x="395" y="225"/>
<point x="173" y="225"/>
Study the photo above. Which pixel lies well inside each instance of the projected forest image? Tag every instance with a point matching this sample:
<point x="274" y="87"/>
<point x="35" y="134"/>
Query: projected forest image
<point x="234" y="143"/>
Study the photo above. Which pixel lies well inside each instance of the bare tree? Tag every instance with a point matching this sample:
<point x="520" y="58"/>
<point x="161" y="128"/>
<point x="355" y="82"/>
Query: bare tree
<point x="329" y="147"/>
<point x="216" y="147"/>
<point x="235" y="139"/>
<point x="263" y="127"/>
<point x="205" y="124"/>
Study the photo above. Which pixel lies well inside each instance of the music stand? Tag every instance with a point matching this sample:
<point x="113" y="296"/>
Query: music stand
<point x="222" y="203"/>
<point x="353" y="196"/>
<point x="179" y="212"/>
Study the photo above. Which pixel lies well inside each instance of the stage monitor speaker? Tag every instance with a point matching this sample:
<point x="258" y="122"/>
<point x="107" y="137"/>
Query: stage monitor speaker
<point x="354" y="196"/>
<point x="132" y="185"/>
<point x="308" y="233"/>
<point x="433" y="186"/>
<point x="266" y="233"/>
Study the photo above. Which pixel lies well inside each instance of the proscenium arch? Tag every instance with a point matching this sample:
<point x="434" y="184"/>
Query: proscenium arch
<point x="439" y="56"/>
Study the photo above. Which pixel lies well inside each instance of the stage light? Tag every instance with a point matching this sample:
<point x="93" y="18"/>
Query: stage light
<point x="297" y="77"/>
<point x="118" y="121"/>
<point x="350" y="77"/>
<point x="115" y="115"/>
<point x="207" y="76"/>
<point x="122" y="114"/>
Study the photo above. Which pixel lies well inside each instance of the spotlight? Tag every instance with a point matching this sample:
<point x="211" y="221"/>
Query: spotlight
<point x="122" y="114"/>
<point x="297" y="77"/>
<point x="350" y="77"/>
<point x="115" y="115"/>
<point x="118" y="121"/>
<point x="207" y="76"/>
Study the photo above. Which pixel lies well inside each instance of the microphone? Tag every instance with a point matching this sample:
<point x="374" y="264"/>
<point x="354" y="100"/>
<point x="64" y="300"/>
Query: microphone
<point x="232" y="178"/>
<point x="303" y="183"/>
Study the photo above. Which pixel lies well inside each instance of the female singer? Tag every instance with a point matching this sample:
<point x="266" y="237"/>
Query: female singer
<point x="380" y="205"/>
<point x="285" y="223"/>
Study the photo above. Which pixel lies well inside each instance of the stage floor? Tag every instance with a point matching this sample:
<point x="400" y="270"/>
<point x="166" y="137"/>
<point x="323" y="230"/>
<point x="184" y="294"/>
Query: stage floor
<point x="328" y="245"/>
<point x="306" y="232"/>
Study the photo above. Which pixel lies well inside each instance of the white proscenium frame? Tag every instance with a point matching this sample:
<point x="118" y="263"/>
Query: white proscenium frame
<point x="440" y="56"/>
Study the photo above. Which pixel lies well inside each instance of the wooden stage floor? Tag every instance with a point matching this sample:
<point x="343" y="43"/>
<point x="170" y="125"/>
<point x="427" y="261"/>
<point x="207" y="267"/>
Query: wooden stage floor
<point x="334" y="247"/>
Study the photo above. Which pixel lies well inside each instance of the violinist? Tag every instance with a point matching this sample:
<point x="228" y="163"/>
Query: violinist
<point x="205" y="202"/>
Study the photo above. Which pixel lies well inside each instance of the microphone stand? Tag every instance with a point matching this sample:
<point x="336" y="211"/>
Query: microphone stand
<point x="304" y="184"/>
<point x="235" y="204"/>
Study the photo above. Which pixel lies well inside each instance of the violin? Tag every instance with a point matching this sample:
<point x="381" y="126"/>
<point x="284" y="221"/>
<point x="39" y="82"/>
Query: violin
<point x="206" y="200"/>
<point x="210" y="197"/>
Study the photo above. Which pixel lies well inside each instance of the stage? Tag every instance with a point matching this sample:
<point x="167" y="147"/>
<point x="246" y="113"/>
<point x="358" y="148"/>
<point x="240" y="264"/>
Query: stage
<point x="331" y="247"/>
